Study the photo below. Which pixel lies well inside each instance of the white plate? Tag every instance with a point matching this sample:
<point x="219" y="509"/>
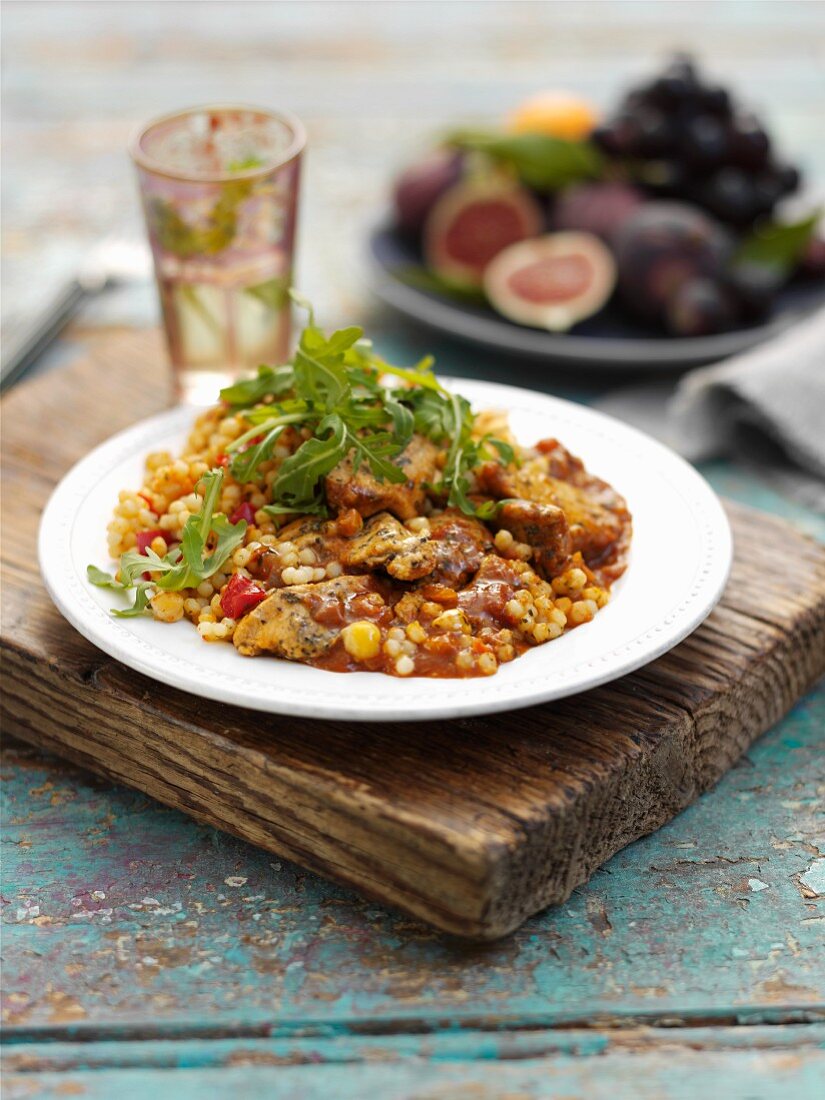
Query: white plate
<point x="680" y="558"/>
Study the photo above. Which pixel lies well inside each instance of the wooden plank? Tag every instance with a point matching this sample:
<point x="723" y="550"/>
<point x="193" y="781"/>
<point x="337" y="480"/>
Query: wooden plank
<point x="471" y="825"/>
<point x="126" y="920"/>
<point x="735" y="1062"/>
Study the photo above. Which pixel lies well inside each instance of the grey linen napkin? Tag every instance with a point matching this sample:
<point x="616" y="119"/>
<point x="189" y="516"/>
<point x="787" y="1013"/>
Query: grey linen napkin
<point x="775" y="392"/>
<point x="764" y="407"/>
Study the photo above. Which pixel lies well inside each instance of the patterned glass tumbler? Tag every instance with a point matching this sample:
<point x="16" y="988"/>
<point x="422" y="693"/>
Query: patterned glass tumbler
<point x="219" y="187"/>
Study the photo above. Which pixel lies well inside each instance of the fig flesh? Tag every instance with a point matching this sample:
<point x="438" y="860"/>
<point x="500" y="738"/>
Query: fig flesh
<point x="472" y="222"/>
<point x="551" y="282"/>
<point x="420" y="186"/>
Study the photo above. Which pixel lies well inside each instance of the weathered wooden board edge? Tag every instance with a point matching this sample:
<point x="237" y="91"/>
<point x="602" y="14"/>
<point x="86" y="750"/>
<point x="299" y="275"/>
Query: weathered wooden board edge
<point x="480" y="894"/>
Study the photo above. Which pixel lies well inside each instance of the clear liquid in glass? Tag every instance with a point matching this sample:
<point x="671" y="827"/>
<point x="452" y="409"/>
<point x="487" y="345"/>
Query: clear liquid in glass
<point x="219" y="188"/>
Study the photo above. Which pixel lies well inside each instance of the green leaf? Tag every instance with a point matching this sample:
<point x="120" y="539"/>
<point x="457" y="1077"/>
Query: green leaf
<point x="377" y="450"/>
<point x="540" y="161"/>
<point x="245" y="164"/>
<point x="215" y="234"/>
<point x="325" y="384"/>
<point x="316" y="507"/>
<point x="403" y="422"/>
<point x="268" y="381"/>
<point x="140" y="605"/>
<point x="274" y="293"/>
<point x="300" y="473"/>
<point x="504" y="449"/>
<point x="777" y="245"/>
<point x="133" y="564"/>
<point x="303" y="303"/>
<point x="245" y="465"/>
<point x="101" y="578"/>
<point x="229" y="537"/>
<point x="186" y="566"/>
<point x="423" y="279"/>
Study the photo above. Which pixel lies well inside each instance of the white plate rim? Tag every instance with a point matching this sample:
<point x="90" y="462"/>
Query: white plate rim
<point x="72" y="593"/>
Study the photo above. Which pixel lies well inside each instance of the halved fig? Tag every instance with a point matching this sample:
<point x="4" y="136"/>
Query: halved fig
<point x="472" y="222"/>
<point x="553" y="281"/>
<point x="420" y="186"/>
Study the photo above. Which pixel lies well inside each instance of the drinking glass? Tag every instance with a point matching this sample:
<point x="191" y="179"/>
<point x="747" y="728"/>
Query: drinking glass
<point x="219" y="187"/>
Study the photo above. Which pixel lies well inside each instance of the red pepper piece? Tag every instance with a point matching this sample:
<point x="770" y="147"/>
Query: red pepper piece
<point x="243" y="511"/>
<point x="223" y="460"/>
<point x="240" y="595"/>
<point x="144" y="538"/>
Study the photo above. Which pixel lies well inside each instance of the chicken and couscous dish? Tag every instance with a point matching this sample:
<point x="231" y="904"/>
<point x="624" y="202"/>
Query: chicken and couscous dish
<point x="352" y="515"/>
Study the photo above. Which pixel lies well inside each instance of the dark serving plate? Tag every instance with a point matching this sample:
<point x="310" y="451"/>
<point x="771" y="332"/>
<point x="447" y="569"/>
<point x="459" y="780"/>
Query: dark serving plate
<point x="608" y="341"/>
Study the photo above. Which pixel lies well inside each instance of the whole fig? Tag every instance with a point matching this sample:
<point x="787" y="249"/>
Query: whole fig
<point x="661" y="246"/>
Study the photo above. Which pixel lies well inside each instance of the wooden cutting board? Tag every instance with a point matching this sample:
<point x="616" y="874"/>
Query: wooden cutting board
<point x="471" y="825"/>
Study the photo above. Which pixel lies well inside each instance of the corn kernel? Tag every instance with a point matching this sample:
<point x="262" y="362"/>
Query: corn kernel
<point x="362" y="640"/>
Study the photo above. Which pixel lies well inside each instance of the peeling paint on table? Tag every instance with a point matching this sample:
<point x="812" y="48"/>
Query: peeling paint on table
<point x="124" y="922"/>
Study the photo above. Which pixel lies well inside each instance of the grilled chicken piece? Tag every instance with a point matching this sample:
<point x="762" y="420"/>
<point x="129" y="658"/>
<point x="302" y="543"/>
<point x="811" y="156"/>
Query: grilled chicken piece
<point x="542" y="526"/>
<point x="385" y="543"/>
<point x="461" y="542"/>
<point x="364" y="492"/>
<point x="598" y="520"/>
<point x="284" y="625"/>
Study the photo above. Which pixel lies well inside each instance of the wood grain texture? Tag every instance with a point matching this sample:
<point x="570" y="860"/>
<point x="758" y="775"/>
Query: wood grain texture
<point x="470" y="825"/>
<point x="638" y="1063"/>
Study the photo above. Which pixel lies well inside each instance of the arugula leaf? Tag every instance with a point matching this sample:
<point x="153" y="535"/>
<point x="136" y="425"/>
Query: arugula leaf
<point x="419" y="375"/>
<point x="244" y="465"/>
<point x="299" y="474"/>
<point x="324" y="384"/>
<point x="229" y="537"/>
<point x="101" y="578"/>
<point x="403" y="422"/>
<point x="189" y="564"/>
<point x="268" y="381"/>
<point x="777" y="245"/>
<point x="140" y="605"/>
<point x="194" y="566"/>
<point x="316" y="507"/>
<point x="505" y="451"/>
<point x="543" y="162"/>
<point x="133" y="564"/>
<point x="376" y="450"/>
